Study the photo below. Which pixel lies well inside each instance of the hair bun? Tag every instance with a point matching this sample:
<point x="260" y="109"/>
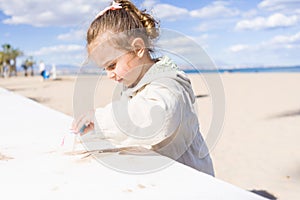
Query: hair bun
<point x="148" y="22"/>
<point x="150" y="25"/>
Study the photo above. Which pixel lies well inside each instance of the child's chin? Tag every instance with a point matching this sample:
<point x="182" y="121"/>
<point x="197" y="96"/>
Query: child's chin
<point x="120" y="81"/>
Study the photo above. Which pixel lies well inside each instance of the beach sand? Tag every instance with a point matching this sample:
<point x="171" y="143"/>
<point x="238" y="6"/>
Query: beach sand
<point x="258" y="147"/>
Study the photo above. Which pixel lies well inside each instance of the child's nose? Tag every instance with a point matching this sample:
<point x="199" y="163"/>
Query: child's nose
<point x="111" y="74"/>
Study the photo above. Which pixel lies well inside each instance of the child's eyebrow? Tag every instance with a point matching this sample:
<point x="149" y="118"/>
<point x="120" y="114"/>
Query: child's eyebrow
<point x="107" y="63"/>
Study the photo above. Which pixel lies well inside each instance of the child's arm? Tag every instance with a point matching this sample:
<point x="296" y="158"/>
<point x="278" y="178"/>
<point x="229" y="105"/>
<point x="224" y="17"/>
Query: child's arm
<point x="150" y="117"/>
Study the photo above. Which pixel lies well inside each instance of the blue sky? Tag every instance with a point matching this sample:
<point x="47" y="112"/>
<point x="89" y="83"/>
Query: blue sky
<point x="233" y="33"/>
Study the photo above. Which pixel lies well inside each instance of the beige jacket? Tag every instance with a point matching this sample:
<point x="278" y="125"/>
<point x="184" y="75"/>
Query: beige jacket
<point x="158" y="113"/>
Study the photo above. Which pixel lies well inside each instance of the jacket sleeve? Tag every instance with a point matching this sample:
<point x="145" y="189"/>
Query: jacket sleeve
<point x="148" y="118"/>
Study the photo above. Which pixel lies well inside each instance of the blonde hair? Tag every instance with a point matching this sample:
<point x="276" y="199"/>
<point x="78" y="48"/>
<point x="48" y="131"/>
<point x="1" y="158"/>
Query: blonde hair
<point x="129" y="21"/>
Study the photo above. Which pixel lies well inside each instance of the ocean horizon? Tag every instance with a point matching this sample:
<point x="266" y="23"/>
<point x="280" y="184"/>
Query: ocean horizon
<point x="291" y="69"/>
<point x="75" y="70"/>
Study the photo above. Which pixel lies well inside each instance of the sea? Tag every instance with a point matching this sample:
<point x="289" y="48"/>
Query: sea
<point x="75" y="70"/>
<point x="292" y="69"/>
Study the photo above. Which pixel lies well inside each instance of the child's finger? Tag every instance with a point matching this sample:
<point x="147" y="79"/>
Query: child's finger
<point x="84" y="123"/>
<point x="82" y="120"/>
<point x="87" y="128"/>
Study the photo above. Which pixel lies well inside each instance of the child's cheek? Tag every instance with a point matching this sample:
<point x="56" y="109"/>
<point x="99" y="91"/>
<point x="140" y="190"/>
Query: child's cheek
<point x="120" y="71"/>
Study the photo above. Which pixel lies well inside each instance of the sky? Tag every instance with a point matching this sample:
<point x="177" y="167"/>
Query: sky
<point x="233" y="33"/>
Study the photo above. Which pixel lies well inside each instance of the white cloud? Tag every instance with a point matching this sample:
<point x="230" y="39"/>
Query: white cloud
<point x="61" y="54"/>
<point x="203" y="27"/>
<point x="187" y="49"/>
<point x="72" y="12"/>
<point x="59" y="49"/>
<point x="164" y="11"/>
<point x="238" y="48"/>
<point x="73" y="35"/>
<point x="149" y="4"/>
<point x="276" y="20"/>
<point x="174" y="41"/>
<point x="214" y="10"/>
<point x="50" y="12"/>
<point x="280" y="50"/>
<point x="277" y="42"/>
<point x="169" y="12"/>
<point x="280" y="5"/>
<point x="249" y="13"/>
<point x="202" y="40"/>
<point x="181" y="43"/>
<point x="285" y="41"/>
<point x="215" y="25"/>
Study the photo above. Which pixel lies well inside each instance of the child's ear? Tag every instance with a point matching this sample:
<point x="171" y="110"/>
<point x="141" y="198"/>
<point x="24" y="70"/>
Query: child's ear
<point x="138" y="46"/>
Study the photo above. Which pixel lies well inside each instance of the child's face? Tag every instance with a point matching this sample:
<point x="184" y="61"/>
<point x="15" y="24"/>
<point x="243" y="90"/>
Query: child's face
<point x="122" y="66"/>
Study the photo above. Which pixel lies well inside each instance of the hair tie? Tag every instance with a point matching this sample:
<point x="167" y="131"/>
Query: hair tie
<point x="114" y="6"/>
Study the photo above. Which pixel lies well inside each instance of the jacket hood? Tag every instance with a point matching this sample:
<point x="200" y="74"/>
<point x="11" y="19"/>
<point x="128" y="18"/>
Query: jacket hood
<point x="166" y="69"/>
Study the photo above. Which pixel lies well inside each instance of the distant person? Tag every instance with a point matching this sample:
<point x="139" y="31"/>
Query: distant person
<point x="13" y="68"/>
<point x="1" y="70"/>
<point x="119" y="40"/>
<point x="24" y="66"/>
<point x="43" y="71"/>
<point x="29" y="64"/>
<point x="6" y="66"/>
<point x="53" y="71"/>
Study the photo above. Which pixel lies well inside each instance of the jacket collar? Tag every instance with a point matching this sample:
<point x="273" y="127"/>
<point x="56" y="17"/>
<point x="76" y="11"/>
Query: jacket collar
<point x="164" y="67"/>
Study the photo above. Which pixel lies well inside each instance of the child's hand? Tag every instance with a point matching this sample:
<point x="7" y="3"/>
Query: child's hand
<point x="84" y="123"/>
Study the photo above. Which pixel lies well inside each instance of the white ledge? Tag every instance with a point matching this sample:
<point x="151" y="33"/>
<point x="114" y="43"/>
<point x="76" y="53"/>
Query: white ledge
<point x="34" y="166"/>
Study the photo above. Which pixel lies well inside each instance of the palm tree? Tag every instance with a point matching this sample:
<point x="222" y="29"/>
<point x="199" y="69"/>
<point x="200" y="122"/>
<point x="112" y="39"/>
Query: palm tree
<point x="14" y="54"/>
<point x="29" y="62"/>
<point x="1" y="62"/>
<point x="6" y="47"/>
<point x="6" y="58"/>
<point x="1" y="57"/>
<point x="6" y="51"/>
<point x="9" y="54"/>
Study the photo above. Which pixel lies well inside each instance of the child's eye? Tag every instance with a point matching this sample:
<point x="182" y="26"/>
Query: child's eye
<point x="111" y="67"/>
